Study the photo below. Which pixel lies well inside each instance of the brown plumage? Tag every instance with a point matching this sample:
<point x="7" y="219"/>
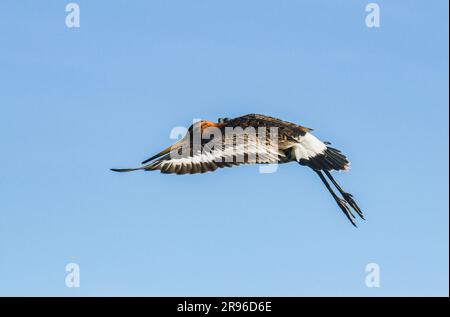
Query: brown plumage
<point x="251" y="139"/>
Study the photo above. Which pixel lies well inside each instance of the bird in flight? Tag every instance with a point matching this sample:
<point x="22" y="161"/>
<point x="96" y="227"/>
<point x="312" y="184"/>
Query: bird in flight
<point x="253" y="139"/>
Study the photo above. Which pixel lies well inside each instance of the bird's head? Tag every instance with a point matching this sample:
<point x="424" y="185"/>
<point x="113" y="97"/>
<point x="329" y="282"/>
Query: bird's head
<point x="196" y="129"/>
<point x="202" y="125"/>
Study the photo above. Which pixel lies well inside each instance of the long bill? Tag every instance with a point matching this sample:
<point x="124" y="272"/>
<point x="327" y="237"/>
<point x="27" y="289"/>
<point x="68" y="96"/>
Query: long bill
<point x="170" y="148"/>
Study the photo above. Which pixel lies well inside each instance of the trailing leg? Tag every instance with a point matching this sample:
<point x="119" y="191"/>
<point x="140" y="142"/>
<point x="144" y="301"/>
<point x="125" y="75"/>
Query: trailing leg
<point x="341" y="202"/>
<point x="348" y="197"/>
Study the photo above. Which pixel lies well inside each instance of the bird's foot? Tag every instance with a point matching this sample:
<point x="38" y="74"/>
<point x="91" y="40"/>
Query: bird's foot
<point x="346" y="209"/>
<point x="349" y="199"/>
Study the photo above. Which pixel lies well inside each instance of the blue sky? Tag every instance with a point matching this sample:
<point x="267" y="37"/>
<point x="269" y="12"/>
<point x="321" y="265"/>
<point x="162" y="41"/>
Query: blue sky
<point x="76" y="102"/>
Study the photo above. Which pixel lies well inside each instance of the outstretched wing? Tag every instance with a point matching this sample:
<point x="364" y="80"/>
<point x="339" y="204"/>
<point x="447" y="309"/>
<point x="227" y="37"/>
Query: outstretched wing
<point x="224" y="149"/>
<point x="249" y="139"/>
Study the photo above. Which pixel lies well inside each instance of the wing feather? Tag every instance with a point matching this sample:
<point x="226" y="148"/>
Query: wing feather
<point x="228" y="151"/>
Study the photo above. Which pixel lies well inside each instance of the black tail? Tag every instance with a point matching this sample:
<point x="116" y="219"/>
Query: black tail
<point x="330" y="159"/>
